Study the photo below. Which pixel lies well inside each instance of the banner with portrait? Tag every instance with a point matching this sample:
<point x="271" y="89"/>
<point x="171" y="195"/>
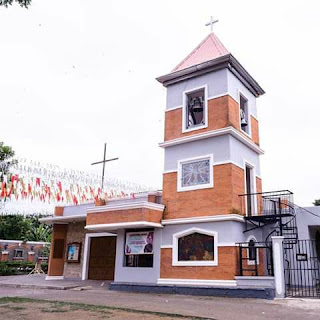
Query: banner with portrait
<point x="139" y="242"/>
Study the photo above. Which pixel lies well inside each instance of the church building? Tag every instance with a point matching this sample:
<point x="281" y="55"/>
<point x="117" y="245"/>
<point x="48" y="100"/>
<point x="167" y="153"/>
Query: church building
<point x="188" y="234"/>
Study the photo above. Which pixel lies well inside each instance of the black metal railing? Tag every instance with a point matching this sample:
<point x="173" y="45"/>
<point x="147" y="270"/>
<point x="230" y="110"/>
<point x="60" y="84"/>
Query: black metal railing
<point x="255" y="260"/>
<point x="267" y="203"/>
<point x="302" y="269"/>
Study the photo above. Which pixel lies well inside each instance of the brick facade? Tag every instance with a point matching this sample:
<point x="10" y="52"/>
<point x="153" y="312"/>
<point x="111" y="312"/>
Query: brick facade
<point x="255" y="130"/>
<point x="32" y="251"/>
<point x="227" y="267"/>
<point x="128" y="215"/>
<point x="58" y="211"/>
<point x="223" y="198"/>
<point x="222" y="112"/>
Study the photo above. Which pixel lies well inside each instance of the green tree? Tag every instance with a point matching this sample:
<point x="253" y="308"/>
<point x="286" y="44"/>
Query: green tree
<point x="15" y="227"/>
<point x="22" y="3"/>
<point x="40" y="233"/>
<point x="316" y="202"/>
<point x="6" y="157"/>
<point x="18" y="227"/>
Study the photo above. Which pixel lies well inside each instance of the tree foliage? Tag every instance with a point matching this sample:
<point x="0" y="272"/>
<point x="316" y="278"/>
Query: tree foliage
<point x="316" y="202"/>
<point x="40" y="233"/>
<point x="18" y="227"/>
<point x="22" y="3"/>
<point x="6" y="155"/>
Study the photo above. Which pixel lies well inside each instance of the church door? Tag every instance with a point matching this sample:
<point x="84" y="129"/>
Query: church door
<point x="102" y="258"/>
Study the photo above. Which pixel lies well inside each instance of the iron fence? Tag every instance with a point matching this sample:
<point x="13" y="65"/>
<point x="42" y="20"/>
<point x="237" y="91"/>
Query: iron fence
<point x="255" y="259"/>
<point x="302" y="269"/>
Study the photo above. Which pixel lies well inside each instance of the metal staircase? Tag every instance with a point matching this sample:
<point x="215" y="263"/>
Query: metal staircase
<point x="275" y="210"/>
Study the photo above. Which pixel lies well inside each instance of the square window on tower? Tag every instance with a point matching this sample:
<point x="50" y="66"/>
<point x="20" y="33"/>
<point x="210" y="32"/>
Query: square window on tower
<point x="195" y="109"/>
<point x="195" y="173"/>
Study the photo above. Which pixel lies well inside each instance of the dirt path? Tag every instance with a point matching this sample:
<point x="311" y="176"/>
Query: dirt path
<point x="206" y="307"/>
<point x="29" y="309"/>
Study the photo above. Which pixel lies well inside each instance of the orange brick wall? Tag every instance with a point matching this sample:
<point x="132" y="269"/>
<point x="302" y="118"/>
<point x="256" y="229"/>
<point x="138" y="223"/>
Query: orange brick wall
<point x="119" y="216"/>
<point x="221" y="199"/>
<point x="226" y="270"/>
<point x="4" y="257"/>
<point x="58" y="211"/>
<point x="259" y="197"/>
<point x="222" y="112"/>
<point x="255" y="130"/>
<point x="258" y="184"/>
<point x="56" y="266"/>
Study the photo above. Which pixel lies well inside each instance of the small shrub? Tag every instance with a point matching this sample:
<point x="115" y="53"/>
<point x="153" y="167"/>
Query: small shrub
<point x="5" y="270"/>
<point x="19" y="267"/>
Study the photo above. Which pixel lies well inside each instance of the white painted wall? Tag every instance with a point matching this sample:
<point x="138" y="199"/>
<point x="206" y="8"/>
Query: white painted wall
<point x="234" y="86"/>
<point x="224" y="149"/>
<point x="137" y="275"/>
<point x="77" y="210"/>
<point x="306" y="220"/>
<point x="219" y="146"/>
<point x="229" y="232"/>
<point x="239" y="153"/>
<point x="217" y="83"/>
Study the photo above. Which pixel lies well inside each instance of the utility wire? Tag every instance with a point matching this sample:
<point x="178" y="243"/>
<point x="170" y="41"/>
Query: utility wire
<point x="314" y="214"/>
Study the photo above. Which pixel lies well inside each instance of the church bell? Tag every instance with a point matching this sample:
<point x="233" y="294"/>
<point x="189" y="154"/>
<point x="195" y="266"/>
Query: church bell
<point x="197" y="105"/>
<point x="243" y="122"/>
<point x="243" y="118"/>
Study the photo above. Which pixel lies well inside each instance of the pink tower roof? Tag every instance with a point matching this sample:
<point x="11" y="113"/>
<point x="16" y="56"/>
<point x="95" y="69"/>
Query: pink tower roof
<point x="210" y="48"/>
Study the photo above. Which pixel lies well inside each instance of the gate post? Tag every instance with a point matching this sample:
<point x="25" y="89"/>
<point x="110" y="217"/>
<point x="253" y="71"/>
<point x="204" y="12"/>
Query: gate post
<point x="278" y="267"/>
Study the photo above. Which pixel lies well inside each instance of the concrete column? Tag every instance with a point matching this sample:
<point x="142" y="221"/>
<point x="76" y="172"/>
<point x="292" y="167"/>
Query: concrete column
<point x="31" y="256"/>
<point x="57" y="252"/>
<point x="4" y="256"/>
<point x="278" y="267"/>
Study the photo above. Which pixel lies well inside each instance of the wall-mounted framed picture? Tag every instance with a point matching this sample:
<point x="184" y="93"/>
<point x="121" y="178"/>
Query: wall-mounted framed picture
<point x="73" y="252"/>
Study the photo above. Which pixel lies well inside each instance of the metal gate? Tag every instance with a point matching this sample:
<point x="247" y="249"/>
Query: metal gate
<point x="302" y="269"/>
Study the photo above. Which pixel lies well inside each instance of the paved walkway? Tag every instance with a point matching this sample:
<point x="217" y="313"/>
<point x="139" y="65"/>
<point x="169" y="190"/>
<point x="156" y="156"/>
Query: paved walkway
<point x="207" y="307"/>
<point x="39" y="282"/>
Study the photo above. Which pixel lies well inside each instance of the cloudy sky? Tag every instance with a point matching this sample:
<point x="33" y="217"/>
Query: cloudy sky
<point x="74" y="74"/>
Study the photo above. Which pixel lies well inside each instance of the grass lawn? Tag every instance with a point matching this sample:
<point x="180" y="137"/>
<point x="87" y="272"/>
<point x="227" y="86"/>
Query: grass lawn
<point x="14" y="308"/>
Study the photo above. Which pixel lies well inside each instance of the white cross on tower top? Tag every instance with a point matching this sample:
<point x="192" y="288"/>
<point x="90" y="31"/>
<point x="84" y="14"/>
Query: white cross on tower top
<point x="211" y="23"/>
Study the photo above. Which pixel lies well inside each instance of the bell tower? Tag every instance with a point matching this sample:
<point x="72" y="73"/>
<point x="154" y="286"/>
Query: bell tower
<point x="211" y="138"/>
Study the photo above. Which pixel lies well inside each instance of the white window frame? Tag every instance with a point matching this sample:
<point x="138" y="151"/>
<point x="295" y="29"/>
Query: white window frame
<point x="199" y="186"/>
<point x="252" y="262"/>
<point x="16" y="250"/>
<point x="240" y="93"/>
<point x="176" y="236"/>
<point x="254" y="204"/>
<point x="185" y="105"/>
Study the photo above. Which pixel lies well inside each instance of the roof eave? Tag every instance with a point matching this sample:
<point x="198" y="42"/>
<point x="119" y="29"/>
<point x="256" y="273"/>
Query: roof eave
<point x="226" y="61"/>
<point x="258" y="91"/>
<point x="195" y="70"/>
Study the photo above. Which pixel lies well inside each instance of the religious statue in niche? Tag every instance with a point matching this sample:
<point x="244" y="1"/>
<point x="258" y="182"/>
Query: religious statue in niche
<point x="73" y="252"/>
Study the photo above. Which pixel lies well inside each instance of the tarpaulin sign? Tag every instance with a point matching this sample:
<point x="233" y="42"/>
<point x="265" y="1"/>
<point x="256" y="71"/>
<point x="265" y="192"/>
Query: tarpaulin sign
<point x="139" y="243"/>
